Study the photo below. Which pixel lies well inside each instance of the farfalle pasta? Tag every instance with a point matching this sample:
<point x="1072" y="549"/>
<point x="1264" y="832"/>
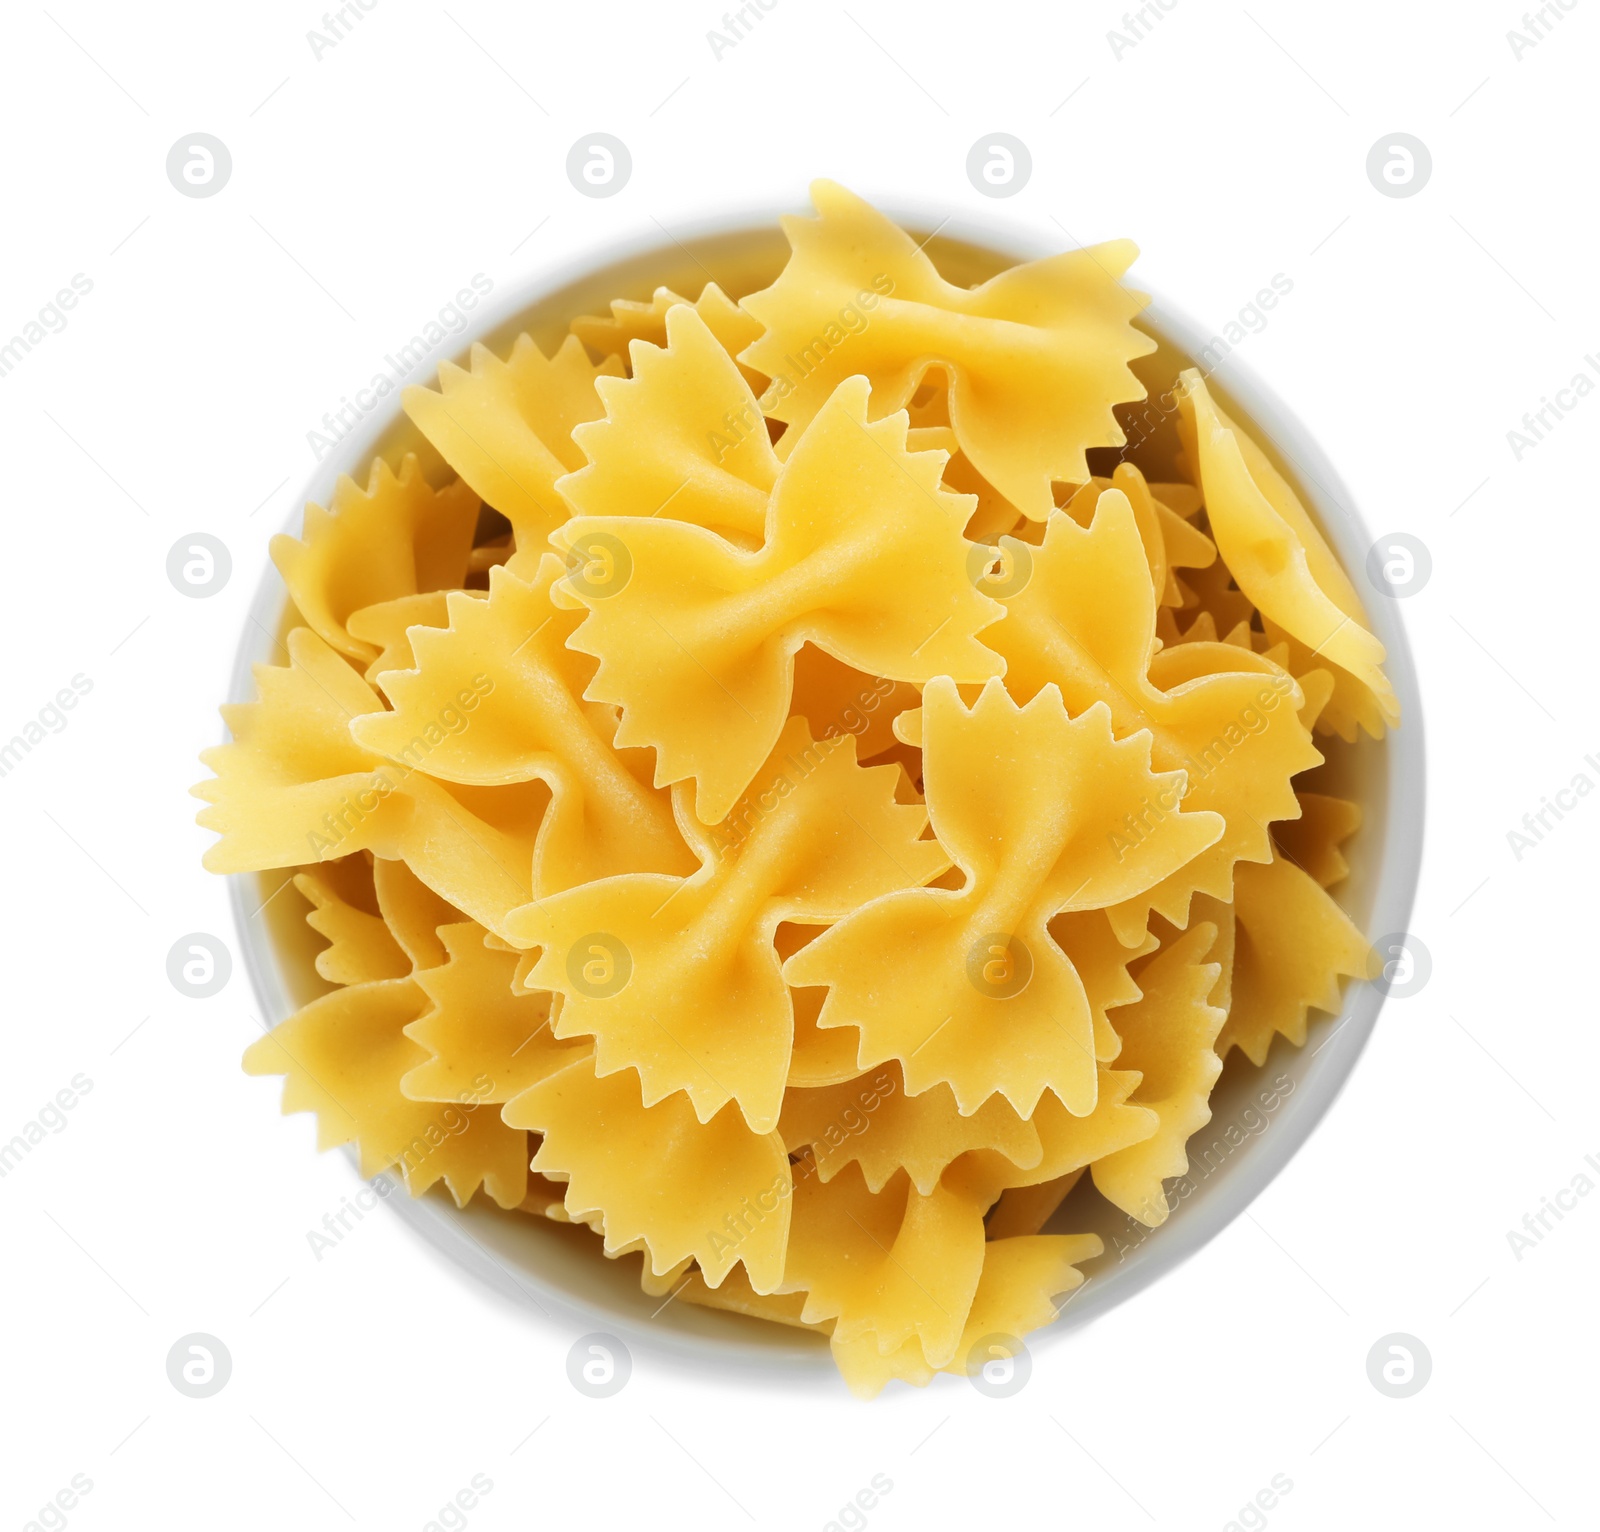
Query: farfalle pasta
<point x="797" y="796"/>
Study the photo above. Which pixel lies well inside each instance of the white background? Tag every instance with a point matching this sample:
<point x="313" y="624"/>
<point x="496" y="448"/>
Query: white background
<point x="368" y="185"/>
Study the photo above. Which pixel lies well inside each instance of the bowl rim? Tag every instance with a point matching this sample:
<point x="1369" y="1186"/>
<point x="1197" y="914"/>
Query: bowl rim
<point x="1403" y="774"/>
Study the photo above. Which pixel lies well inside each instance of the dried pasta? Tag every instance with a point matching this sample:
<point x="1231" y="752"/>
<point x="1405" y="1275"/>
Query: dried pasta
<point x="842" y="832"/>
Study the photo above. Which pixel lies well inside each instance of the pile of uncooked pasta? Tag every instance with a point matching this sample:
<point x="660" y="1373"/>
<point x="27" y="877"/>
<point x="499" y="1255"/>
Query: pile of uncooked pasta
<point x="765" y="799"/>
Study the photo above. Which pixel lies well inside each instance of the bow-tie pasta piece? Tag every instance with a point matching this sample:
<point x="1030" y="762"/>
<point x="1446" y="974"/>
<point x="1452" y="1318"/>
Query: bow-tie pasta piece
<point x="1018" y="1289"/>
<point x="965" y="985"/>
<point x="1068" y="1143"/>
<point x="343" y="1057"/>
<point x="714" y="1191"/>
<point x="630" y="321"/>
<point x="818" y="1057"/>
<point x="291" y="765"/>
<point x="481" y="1037"/>
<point x="1020" y="1282"/>
<point x="1022" y="1279"/>
<point x="1091" y="944"/>
<point x="386" y="627"/>
<point x="1316" y="686"/>
<point x="397" y="537"/>
<point x="993" y="513"/>
<point x="1293" y="945"/>
<point x="1170" y="542"/>
<point x="506" y="428"/>
<point x="1169" y="1037"/>
<point x="1022" y="1287"/>
<point x="1037" y="356"/>
<point x="1283" y="563"/>
<point x="496" y="698"/>
<point x="736" y="1296"/>
<point x="360" y="946"/>
<point x="870" y="1121"/>
<point x="696" y="638"/>
<point x="683" y="439"/>
<point x="655" y="967"/>
<point x="293" y="784"/>
<point x="1085" y="622"/>
<point x="1315" y="841"/>
<point x="894" y="1264"/>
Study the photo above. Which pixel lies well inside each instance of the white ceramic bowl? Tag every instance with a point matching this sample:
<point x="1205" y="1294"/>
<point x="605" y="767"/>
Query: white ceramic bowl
<point x="558" y="1271"/>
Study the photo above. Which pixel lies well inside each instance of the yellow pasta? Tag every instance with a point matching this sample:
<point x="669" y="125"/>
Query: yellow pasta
<point x="1316" y="839"/>
<point x="480" y="1035"/>
<point x="934" y="976"/>
<point x="396" y="538"/>
<point x="504" y="696"/>
<point x="1282" y="562"/>
<point x="652" y="965"/>
<point x="1085" y="623"/>
<point x="653" y="454"/>
<point x="1168" y="1037"/>
<point x="770" y="807"/>
<point x="717" y="1191"/>
<point x="629" y="321"/>
<point x="506" y="428"/>
<point x="1294" y="945"/>
<point x="1036" y="357"/>
<point x="696" y="638"/>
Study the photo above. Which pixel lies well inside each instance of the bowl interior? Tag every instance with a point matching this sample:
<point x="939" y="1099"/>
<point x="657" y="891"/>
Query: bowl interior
<point x="1259" y="1116"/>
